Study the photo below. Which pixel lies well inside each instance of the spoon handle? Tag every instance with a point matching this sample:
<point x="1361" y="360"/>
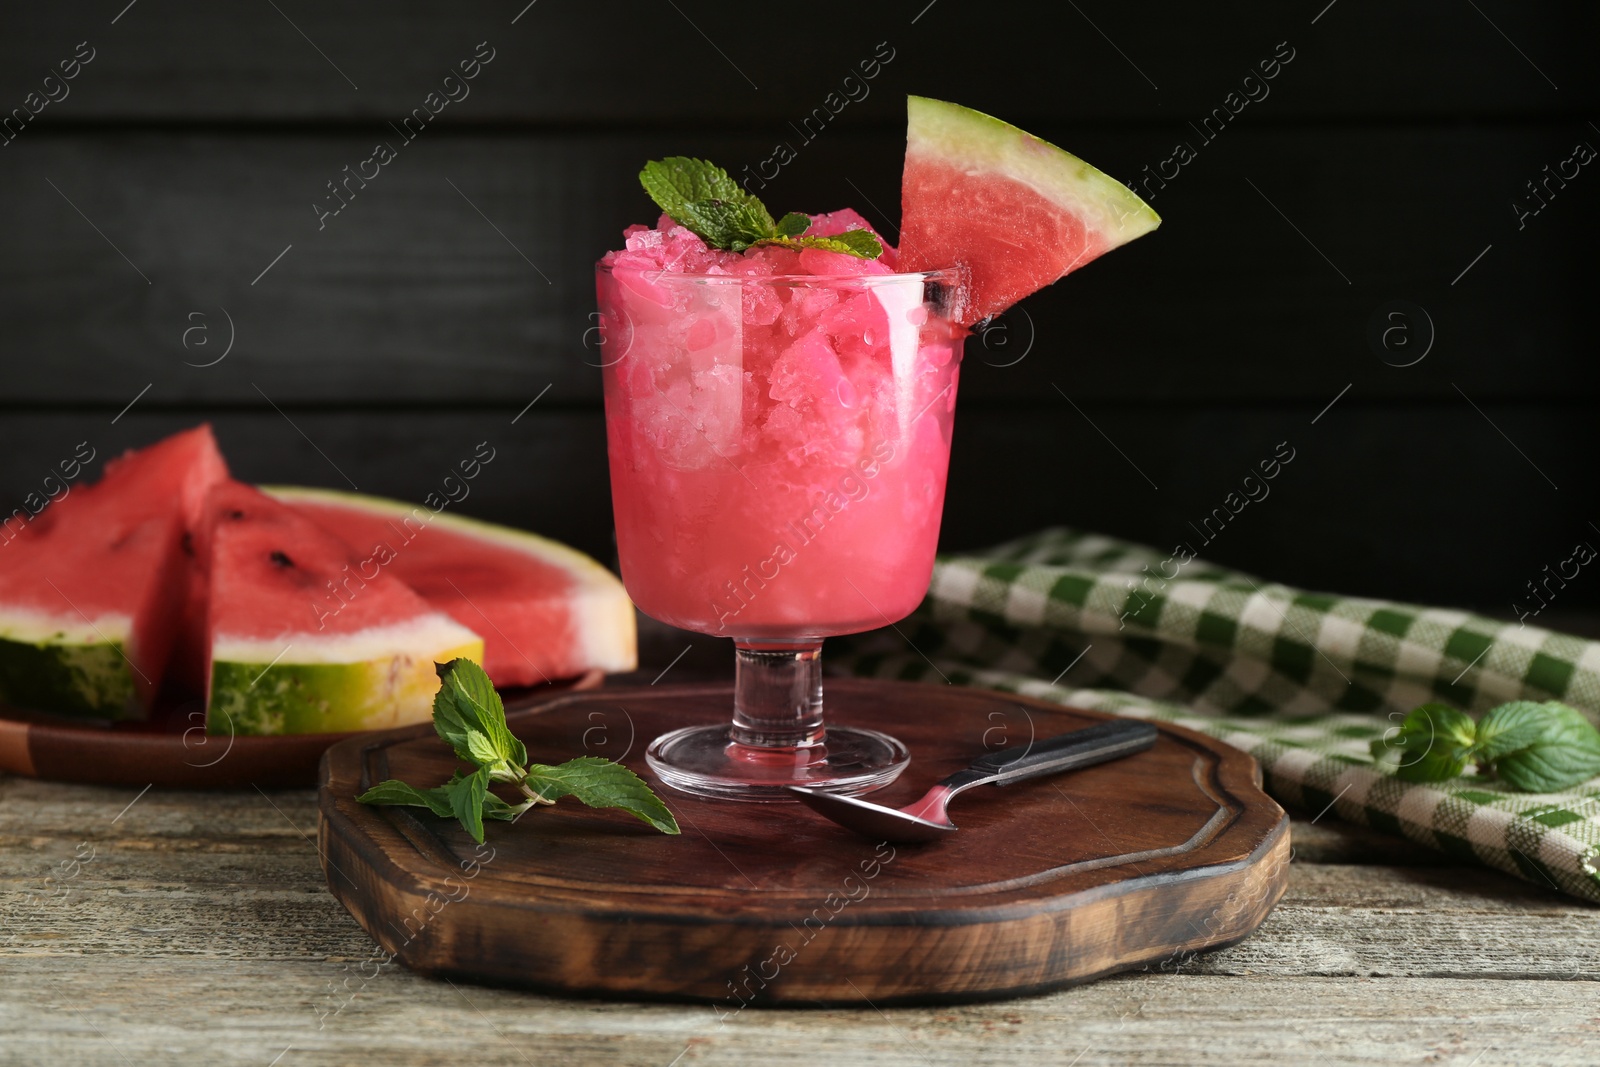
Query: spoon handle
<point x="1064" y="752"/>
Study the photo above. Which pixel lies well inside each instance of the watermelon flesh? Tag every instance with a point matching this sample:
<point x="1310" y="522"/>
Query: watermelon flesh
<point x="1015" y="213"/>
<point x="92" y="591"/>
<point x="545" y="611"/>
<point x="280" y="661"/>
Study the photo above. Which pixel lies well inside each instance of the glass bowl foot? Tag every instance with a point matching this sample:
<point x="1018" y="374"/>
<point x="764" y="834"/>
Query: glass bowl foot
<point x="705" y="761"/>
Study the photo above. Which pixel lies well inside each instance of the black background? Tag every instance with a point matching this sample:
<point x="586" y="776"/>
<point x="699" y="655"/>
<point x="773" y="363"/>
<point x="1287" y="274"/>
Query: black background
<point x="457" y="286"/>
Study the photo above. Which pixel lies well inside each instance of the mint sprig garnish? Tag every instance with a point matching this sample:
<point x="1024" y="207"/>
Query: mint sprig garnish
<point x="1534" y="747"/>
<point x="701" y="197"/>
<point x="469" y="716"/>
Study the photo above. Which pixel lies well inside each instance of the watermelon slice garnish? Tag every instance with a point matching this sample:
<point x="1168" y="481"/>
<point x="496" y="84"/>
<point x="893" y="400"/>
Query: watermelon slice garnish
<point x="303" y="638"/>
<point x="92" y="590"/>
<point x="545" y="611"/>
<point x="1014" y="212"/>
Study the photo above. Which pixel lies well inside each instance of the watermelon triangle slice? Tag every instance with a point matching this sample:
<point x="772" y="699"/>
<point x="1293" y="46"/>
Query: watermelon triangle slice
<point x="306" y="636"/>
<point x="92" y="590"/>
<point x="545" y="611"/>
<point x="1015" y="212"/>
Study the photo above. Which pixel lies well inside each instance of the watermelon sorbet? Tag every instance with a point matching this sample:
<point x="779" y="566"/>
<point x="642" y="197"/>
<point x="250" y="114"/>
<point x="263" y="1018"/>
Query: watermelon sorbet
<point x="779" y="429"/>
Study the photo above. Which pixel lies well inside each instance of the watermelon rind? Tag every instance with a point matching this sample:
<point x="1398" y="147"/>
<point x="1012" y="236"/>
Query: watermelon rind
<point x="68" y="669"/>
<point x="983" y="143"/>
<point x="371" y="680"/>
<point x="91" y="592"/>
<point x="604" y="614"/>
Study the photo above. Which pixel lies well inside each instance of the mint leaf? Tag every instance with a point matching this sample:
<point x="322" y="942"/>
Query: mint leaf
<point x="729" y="224"/>
<point x="393" y="792"/>
<point x="466" y="704"/>
<point x="1509" y="728"/>
<point x="792" y="225"/>
<point x="1549" y="768"/>
<point x="1565" y="751"/>
<point x="1434" y="744"/>
<point x="601" y="783"/>
<point x="701" y="196"/>
<point x="482" y="751"/>
<point x="858" y="243"/>
<point x="678" y="180"/>
<point x="466" y="793"/>
<point x="1567" y="717"/>
<point x="450" y="725"/>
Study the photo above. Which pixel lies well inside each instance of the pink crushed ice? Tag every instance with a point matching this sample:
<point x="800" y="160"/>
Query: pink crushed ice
<point x="788" y="375"/>
<point x="844" y="220"/>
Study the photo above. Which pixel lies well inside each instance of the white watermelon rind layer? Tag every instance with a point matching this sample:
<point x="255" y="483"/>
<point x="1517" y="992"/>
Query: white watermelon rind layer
<point x="424" y="634"/>
<point x="45" y="627"/>
<point x="603" y="613"/>
<point x="983" y="144"/>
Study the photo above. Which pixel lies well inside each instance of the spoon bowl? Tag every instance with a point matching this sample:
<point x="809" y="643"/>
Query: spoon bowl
<point x="875" y="820"/>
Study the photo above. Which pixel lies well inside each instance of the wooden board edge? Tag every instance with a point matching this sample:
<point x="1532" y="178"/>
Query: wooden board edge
<point x="1244" y="894"/>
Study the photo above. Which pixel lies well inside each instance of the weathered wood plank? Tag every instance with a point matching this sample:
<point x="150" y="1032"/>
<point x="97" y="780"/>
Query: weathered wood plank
<point x="55" y="816"/>
<point x="410" y="295"/>
<point x="185" y="1011"/>
<point x="642" y="62"/>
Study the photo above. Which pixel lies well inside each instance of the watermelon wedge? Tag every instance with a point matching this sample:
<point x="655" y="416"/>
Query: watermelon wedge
<point x="92" y="590"/>
<point x="302" y="638"/>
<point x="545" y="611"/>
<point x="1016" y="213"/>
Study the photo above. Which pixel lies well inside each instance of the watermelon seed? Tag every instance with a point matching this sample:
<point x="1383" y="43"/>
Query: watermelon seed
<point x="281" y="560"/>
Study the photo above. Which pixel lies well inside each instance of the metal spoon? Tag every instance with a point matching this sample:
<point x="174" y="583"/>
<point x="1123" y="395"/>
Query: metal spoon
<point x="927" y="819"/>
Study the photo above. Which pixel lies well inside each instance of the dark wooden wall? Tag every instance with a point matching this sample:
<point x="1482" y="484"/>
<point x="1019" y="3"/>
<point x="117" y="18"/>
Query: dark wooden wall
<point x="457" y="286"/>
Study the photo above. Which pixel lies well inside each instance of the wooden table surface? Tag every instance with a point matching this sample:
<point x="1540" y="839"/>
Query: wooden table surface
<point x="185" y="928"/>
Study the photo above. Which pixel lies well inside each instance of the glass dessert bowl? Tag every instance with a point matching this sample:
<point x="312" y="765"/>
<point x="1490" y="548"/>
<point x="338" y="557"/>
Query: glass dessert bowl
<point x="779" y="436"/>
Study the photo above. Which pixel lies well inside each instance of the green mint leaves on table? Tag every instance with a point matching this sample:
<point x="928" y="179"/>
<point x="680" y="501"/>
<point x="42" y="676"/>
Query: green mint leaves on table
<point x="1533" y="747"/>
<point x="703" y="198"/>
<point x="468" y="714"/>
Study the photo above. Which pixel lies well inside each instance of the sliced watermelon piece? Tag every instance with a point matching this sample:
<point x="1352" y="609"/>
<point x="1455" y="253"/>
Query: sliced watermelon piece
<point x="302" y="638"/>
<point x="545" y="611"/>
<point x="92" y="590"/>
<point x="1014" y="212"/>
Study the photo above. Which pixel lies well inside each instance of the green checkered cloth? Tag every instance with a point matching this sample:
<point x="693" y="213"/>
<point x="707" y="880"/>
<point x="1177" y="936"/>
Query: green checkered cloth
<point x="1301" y="681"/>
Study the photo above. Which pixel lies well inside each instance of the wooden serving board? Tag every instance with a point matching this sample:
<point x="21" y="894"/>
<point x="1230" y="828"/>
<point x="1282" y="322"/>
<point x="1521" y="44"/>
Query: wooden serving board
<point x="173" y="750"/>
<point x="1047" y="882"/>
